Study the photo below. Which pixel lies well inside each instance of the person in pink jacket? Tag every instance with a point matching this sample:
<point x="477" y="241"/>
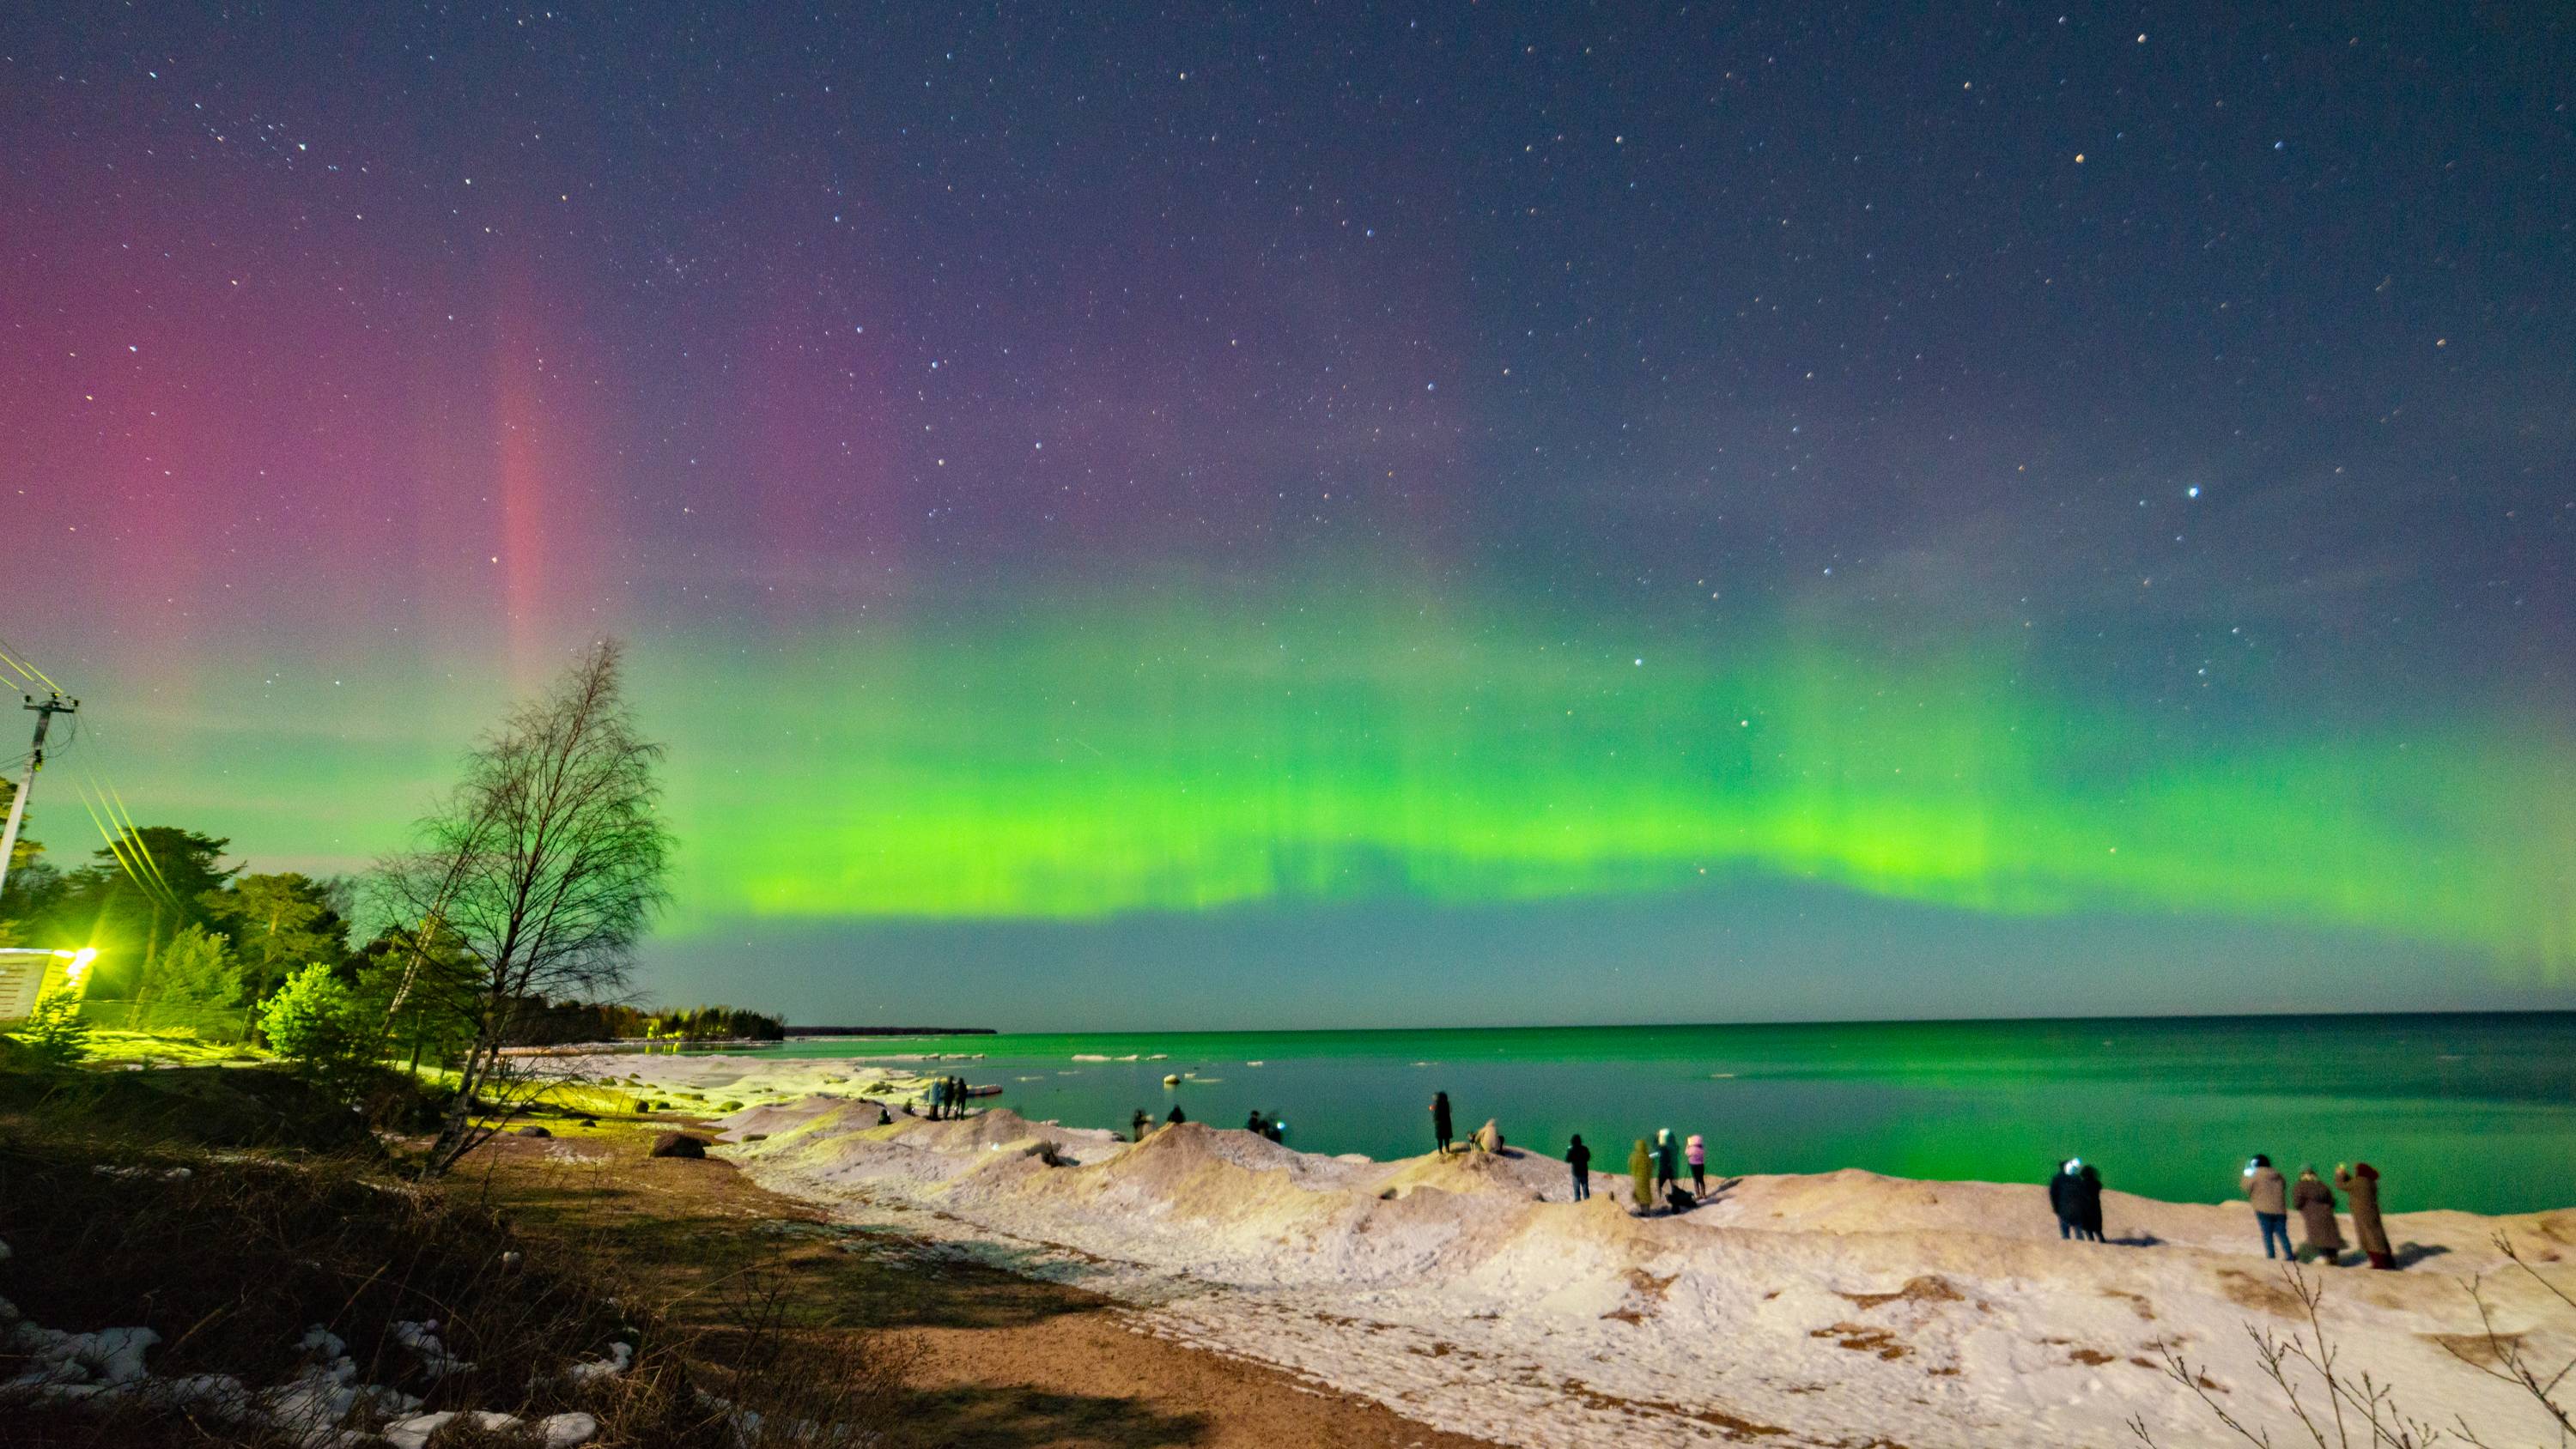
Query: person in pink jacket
<point x="1695" y="1152"/>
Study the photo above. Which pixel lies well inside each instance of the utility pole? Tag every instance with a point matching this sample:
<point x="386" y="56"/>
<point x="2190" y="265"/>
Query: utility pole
<point x="52" y="704"/>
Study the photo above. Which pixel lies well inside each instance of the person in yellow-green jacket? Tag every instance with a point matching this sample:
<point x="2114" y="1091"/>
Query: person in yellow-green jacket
<point x="1641" y="1176"/>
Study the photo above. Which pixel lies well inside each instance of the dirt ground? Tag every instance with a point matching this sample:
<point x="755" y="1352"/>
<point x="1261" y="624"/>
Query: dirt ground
<point x="1007" y="1362"/>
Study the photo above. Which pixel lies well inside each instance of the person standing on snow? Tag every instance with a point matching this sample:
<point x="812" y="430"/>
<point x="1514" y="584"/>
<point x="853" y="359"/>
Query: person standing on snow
<point x="2316" y="1204"/>
<point x="1579" y="1158"/>
<point x="2361" y="1189"/>
<point x="2088" y="1203"/>
<point x="2061" y="1197"/>
<point x="2270" y="1195"/>
<point x="1695" y="1152"/>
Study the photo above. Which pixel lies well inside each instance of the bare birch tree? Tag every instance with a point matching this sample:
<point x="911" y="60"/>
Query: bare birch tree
<point x="546" y="865"/>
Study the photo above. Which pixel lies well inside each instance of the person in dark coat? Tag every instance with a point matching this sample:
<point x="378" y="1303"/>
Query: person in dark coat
<point x="2316" y="1204"/>
<point x="1440" y="1128"/>
<point x="1254" y="1125"/>
<point x="2061" y="1197"/>
<point x="1579" y="1158"/>
<point x="2361" y="1191"/>
<point x="1668" y="1159"/>
<point x="2088" y="1203"/>
<point x="959" y="1097"/>
<point x="1176" y="1116"/>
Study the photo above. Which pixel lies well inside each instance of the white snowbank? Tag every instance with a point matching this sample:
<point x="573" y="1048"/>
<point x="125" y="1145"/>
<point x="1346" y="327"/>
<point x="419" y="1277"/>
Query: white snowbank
<point x="752" y="1080"/>
<point x="1831" y="1309"/>
<point x="322" y="1407"/>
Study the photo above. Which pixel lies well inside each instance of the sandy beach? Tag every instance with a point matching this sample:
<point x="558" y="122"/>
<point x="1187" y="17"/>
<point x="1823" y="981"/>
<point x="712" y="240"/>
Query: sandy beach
<point x="1470" y="1293"/>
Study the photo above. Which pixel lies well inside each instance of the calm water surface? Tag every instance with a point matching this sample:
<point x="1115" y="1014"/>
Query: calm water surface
<point x="2462" y="1111"/>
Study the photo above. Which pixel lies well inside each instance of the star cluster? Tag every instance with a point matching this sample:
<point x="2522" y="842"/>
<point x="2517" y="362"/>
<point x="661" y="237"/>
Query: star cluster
<point x="2198" y="394"/>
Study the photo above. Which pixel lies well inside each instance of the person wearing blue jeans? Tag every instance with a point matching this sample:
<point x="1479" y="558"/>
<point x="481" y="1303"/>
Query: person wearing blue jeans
<point x="2275" y="1225"/>
<point x="2270" y="1194"/>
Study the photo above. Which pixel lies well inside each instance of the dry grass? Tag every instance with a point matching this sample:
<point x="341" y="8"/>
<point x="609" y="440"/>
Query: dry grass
<point x="232" y="1259"/>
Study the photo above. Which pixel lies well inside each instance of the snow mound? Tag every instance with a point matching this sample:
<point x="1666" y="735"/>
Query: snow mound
<point x="1466" y="1288"/>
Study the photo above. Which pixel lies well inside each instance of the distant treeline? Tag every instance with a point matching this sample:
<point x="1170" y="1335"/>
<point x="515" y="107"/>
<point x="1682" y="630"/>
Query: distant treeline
<point x="562" y="1022"/>
<point x="894" y="1031"/>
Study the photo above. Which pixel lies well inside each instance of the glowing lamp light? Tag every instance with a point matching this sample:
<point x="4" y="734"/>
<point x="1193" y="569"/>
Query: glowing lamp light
<point x="80" y="960"/>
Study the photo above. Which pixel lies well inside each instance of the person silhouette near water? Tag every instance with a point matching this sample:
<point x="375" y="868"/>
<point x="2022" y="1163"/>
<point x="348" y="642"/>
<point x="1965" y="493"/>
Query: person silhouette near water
<point x="1140" y="1124"/>
<point x="1579" y="1158"/>
<point x="1177" y="1116"/>
<point x="2061" y="1197"/>
<point x="1440" y="1120"/>
<point x="2088" y="1203"/>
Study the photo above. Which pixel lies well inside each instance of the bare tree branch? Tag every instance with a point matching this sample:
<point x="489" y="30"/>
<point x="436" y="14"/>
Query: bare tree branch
<point x="546" y="864"/>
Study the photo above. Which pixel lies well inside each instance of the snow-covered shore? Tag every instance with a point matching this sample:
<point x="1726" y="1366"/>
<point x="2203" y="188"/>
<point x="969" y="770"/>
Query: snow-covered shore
<point x="1839" y="1309"/>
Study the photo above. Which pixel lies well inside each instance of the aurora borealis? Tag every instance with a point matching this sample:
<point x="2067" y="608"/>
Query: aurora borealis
<point x="1190" y="759"/>
<point x="1223" y="519"/>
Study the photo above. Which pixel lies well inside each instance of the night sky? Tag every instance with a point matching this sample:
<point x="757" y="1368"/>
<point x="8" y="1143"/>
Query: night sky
<point x="1333" y="515"/>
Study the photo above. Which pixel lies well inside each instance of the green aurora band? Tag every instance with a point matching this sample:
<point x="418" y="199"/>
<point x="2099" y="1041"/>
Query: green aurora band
<point x="1120" y="757"/>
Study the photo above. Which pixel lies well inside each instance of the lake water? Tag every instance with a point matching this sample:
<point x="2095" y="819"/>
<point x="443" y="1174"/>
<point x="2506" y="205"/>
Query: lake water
<point x="2463" y="1111"/>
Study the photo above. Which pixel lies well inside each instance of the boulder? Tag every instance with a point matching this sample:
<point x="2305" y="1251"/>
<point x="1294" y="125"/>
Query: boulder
<point x="533" y="1130"/>
<point x="680" y="1144"/>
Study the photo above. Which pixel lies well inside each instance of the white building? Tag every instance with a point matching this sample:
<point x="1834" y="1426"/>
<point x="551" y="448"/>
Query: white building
<point x="27" y="973"/>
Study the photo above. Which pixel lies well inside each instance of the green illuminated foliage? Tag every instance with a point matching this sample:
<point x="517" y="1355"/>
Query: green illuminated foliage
<point x="308" y="1020"/>
<point x="54" y="1030"/>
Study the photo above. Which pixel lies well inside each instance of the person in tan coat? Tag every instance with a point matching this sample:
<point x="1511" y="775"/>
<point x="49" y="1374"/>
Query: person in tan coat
<point x="2361" y="1189"/>
<point x="2271" y="1199"/>
<point x="2316" y="1204"/>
